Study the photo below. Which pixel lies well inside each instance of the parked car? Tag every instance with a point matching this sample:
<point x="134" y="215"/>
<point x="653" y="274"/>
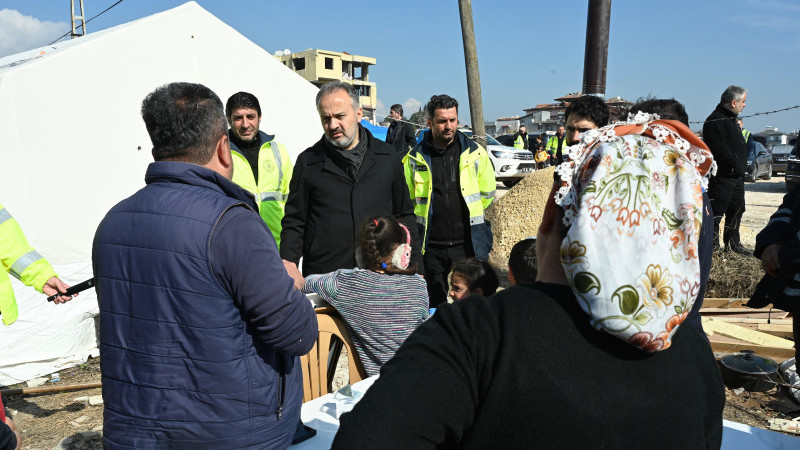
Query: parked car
<point x="780" y="154"/>
<point x="759" y="162"/>
<point x="792" y="172"/>
<point x="506" y="139"/>
<point x="510" y="164"/>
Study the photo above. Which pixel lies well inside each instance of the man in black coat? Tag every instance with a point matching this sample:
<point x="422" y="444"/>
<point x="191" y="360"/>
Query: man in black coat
<point x="726" y="189"/>
<point x="345" y="178"/>
<point x="401" y="133"/>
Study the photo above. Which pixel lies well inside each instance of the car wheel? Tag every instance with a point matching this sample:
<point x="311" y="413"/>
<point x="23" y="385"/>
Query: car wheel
<point x="768" y="176"/>
<point x="512" y="182"/>
<point x="752" y="177"/>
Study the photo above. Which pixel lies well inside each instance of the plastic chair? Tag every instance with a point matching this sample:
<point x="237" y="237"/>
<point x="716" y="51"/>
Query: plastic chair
<point x="319" y="365"/>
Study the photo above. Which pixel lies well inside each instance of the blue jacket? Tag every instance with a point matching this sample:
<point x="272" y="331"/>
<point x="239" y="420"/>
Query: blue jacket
<point x="200" y="326"/>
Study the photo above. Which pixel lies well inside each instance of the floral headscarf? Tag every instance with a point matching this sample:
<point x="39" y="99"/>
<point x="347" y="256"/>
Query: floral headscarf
<point x="632" y="199"/>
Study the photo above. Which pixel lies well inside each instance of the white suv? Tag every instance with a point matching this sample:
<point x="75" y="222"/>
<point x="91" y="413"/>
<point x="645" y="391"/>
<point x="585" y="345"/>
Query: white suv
<point x="510" y="164"/>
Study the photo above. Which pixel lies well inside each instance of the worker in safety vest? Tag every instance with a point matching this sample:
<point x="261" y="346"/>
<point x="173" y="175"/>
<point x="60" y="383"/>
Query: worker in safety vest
<point x="521" y="138"/>
<point x="260" y="165"/>
<point x="745" y="132"/>
<point x="555" y="145"/>
<point x="27" y="265"/>
<point x="451" y="181"/>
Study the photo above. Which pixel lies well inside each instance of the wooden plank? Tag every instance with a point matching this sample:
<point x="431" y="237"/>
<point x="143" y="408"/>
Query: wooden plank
<point x="732" y="330"/>
<point x="775" y="312"/>
<point x="741" y="320"/>
<point x="777" y="354"/>
<point x="724" y="302"/>
<point x="776" y="330"/>
<point x="752" y="315"/>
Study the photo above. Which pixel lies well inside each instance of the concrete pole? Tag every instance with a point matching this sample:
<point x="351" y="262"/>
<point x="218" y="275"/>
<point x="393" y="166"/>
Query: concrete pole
<point x="595" y="60"/>
<point x="473" y="76"/>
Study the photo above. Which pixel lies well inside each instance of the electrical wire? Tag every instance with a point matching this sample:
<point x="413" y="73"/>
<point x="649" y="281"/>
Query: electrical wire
<point x="86" y="21"/>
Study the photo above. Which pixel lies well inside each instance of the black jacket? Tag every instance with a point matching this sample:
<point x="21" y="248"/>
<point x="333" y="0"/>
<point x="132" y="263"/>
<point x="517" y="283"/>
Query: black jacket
<point x="326" y="207"/>
<point x="724" y="138"/>
<point x="521" y="369"/>
<point x="401" y="136"/>
<point x="782" y="228"/>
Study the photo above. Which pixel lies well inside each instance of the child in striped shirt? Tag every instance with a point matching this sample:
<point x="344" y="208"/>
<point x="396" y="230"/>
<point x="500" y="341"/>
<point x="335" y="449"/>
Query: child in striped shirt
<point x="383" y="300"/>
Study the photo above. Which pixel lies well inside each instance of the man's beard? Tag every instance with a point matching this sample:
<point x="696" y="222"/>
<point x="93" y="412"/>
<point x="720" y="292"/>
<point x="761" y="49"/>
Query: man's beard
<point x="343" y="141"/>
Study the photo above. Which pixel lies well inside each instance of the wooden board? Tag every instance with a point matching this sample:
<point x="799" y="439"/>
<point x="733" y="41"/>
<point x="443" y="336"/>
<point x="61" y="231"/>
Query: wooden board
<point x="757" y="321"/>
<point x="748" y="315"/>
<point x="724" y="302"/>
<point x="777" y="313"/>
<point x="713" y="326"/>
<point x="723" y="345"/>
<point x="776" y="330"/>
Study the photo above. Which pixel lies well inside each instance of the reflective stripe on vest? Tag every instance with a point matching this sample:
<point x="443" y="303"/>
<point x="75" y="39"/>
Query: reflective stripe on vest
<point x="276" y="153"/>
<point x="489" y="194"/>
<point x="273" y="196"/>
<point x="4" y="215"/>
<point x="23" y="262"/>
<point x="472" y="198"/>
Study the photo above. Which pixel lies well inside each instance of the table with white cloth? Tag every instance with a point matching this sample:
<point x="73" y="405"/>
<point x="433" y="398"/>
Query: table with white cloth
<point x="735" y="436"/>
<point x="315" y="416"/>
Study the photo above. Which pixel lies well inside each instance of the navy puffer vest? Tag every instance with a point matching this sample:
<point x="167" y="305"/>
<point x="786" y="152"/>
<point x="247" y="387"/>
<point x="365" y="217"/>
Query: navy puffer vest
<point x="179" y="368"/>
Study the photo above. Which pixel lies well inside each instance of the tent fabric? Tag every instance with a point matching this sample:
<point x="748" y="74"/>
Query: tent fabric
<point x="74" y="145"/>
<point x="377" y="132"/>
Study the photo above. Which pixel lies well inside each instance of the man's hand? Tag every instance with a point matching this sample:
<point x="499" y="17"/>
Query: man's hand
<point x="769" y="259"/>
<point x="55" y="286"/>
<point x="291" y="269"/>
<point x="10" y="424"/>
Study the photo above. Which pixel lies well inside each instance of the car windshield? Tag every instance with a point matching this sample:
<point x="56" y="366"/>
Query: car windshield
<point x="781" y="149"/>
<point x="489" y="140"/>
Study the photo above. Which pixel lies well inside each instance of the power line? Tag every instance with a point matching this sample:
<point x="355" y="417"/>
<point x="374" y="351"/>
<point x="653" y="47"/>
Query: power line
<point x="84" y="23"/>
<point x="764" y="113"/>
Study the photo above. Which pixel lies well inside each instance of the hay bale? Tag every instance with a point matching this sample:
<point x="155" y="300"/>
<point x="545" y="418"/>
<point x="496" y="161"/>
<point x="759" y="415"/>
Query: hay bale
<point x="517" y="214"/>
<point x="733" y="275"/>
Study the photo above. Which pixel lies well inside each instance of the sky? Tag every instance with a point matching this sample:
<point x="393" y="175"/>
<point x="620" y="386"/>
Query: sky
<point x="528" y="52"/>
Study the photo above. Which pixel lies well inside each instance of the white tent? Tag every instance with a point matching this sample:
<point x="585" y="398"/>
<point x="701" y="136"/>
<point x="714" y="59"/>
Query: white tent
<point x="74" y="144"/>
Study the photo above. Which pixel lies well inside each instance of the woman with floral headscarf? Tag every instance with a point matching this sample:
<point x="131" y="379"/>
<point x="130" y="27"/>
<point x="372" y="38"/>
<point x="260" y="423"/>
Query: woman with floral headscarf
<point x="593" y="354"/>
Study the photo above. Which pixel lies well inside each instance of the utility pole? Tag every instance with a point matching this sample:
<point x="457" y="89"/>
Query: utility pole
<point x="75" y="18"/>
<point x="473" y="76"/>
<point x="595" y="59"/>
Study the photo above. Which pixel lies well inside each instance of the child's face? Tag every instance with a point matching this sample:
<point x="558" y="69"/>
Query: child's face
<point x="459" y="288"/>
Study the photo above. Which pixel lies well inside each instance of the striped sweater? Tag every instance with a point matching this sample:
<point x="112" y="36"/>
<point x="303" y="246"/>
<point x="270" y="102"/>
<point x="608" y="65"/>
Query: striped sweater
<point x="379" y="310"/>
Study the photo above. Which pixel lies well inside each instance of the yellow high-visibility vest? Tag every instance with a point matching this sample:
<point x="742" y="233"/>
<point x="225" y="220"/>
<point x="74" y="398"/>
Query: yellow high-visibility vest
<point x="272" y="189"/>
<point x="22" y="261"/>
<point x="476" y="175"/>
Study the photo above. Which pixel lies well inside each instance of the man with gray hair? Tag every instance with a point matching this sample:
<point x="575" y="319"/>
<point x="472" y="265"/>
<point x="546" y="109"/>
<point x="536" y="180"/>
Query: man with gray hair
<point x="726" y="189"/>
<point x="201" y="328"/>
<point x="338" y="183"/>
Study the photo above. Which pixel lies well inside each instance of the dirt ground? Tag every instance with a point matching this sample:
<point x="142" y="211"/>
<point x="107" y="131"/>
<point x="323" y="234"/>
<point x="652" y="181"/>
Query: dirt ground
<point x="66" y="420"/>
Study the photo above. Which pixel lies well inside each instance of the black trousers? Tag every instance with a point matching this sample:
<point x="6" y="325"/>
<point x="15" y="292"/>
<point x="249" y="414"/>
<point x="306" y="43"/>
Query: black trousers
<point x="438" y="262"/>
<point x="727" y="200"/>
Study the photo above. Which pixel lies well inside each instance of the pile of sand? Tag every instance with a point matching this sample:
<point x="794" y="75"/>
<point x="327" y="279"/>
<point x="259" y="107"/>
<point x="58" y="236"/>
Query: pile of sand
<point x="517" y="214"/>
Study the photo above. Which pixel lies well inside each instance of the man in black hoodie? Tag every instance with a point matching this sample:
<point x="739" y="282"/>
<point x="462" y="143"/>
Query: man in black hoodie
<point x="726" y="189"/>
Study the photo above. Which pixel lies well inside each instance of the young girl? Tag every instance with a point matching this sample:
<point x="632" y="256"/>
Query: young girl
<point x="472" y="276"/>
<point x="383" y="300"/>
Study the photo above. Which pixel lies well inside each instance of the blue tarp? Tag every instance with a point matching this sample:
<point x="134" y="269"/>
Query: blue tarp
<point x="378" y="132"/>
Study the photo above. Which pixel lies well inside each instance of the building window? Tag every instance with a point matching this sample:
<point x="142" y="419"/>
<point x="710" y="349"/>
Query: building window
<point x="299" y="63"/>
<point x="364" y="90"/>
<point x="329" y="63"/>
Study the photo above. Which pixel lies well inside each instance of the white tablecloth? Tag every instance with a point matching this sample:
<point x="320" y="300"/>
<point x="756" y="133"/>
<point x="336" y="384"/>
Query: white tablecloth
<point x="325" y="424"/>
<point x="735" y="436"/>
